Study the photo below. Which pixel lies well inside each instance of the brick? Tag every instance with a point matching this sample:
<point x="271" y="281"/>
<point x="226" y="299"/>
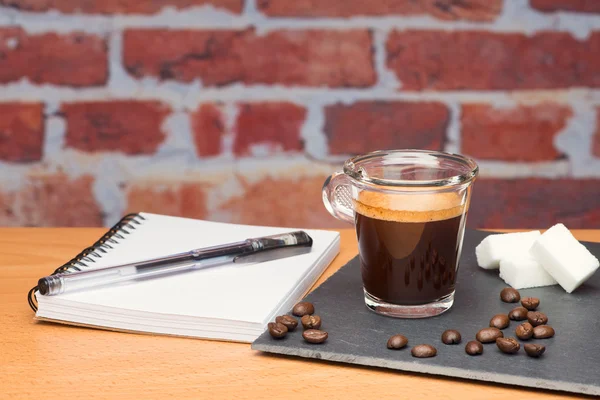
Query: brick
<point x="220" y="57"/>
<point x="585" y="6"/>
<point x="127" y="126"/>
<point x="169" y="198"/>
<point x="276" y="125"/>
<point x="379" y="125"/>
<point x="51" y="200"/>
<point x="285" y="201"/>
<point x="480" y="60"/>
<point x="21" y="132"/>
<point x="208" y="126"/>
<point x="596" y="139"/>
<point x="118" y="6"/>
<point x="535" y="203"/>
<point x="74" y="59"/>
<point x="475" y="10"/>
<point x="522" y="133"/>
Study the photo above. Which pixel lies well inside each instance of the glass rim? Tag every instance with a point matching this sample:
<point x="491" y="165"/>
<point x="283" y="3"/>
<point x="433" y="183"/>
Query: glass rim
<point x="353" y="169"/>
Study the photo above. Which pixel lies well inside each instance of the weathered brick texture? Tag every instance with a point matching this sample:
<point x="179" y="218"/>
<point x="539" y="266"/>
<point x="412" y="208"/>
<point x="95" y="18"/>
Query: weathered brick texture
<point x="535" y="203"/>
<point x="170" y="198"/>
<point x="51" y="200"/>
<point x="596" y="138"/>
<point x="287" y="201"/>
<point x="481" y="60"/>
<point x="208" y="126"/>
<point x="73" y="59"/>
<point x="127" y="126"/>
<point x="274" y="125"/>
<point x="584" y="6"/>
<point x="118" y="6"/>
<point x="475" y="10"/>
<point x="291" y="57"/>
<point x="522" y="133"/>
<point x="380" y="125"/>
<point x="21" y="132"/>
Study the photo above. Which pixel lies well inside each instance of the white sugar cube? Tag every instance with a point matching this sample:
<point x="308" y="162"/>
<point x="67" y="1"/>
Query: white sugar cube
<point x="567" y="260"/>
<point x="524" y="271"/>
<point x="495" y="247"/>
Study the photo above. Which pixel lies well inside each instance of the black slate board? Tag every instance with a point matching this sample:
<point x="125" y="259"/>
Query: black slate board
<point x="358" y="336"/>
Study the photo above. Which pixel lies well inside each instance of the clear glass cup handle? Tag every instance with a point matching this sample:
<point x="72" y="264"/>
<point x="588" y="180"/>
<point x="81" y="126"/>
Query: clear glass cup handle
<point x="337" y="197"/>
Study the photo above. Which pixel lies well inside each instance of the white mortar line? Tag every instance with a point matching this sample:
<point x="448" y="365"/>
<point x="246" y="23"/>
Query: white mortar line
<point x="386" y="79"/>
<point x="315" y="141"/>
<point x="517" y="16"/>
<point x="453" y="140"/>
<point x="522" y="170"/>
<point x="577" y="136"/>
<point x="188" y="96"/>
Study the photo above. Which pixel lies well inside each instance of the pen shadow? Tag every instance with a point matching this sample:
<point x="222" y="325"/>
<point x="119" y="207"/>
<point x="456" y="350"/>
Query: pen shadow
<point x="481" y="384"/>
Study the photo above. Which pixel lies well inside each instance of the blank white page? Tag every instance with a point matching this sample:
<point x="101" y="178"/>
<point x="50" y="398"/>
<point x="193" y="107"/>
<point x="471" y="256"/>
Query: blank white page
<point x="235" y="292"/>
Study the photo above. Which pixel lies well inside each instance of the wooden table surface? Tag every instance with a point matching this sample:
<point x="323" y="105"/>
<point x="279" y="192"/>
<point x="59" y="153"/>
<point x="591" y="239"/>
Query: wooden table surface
<point x="49" y="361"/>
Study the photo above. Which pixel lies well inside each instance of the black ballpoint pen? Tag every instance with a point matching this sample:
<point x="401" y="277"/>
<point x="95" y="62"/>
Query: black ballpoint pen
<point x="253" y="250"/>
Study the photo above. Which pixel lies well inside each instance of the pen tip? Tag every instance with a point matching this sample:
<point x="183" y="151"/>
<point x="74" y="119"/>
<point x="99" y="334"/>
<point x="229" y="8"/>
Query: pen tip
<point x="43" y="286"/>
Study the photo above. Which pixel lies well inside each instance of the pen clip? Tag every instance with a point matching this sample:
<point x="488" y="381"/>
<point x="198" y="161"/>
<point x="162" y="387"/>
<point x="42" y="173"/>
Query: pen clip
<point x="274" y="247"/>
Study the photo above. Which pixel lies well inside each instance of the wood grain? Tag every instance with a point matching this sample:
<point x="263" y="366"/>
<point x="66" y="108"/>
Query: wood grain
<point x="55" y="361"/>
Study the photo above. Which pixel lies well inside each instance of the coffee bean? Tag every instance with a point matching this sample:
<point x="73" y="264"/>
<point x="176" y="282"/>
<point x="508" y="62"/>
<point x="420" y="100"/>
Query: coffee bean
<point x="524" y="331"/>
<point x="488" y="335"/>
<point x="474" y="348"/>
<point x="451" y="336"/>
<point x="534" y="350"/>
<point x="518" y="314"/>
<point x="536" y="318"/>
<point x="543" y="332"/>
<point x="508" y="345"/>
<point x="530" y="303"/>
<point x="277" y="330"/>
<point x="288" y="321"/>
<point x="311" y="321"/>
<point x="303" y="308"/>
<point x="397" y="342"/>
<point x="499" y="321"/>
<point x="423" y="351"/>
<point x="510" y="295"/>
<point x="315" y="336"/>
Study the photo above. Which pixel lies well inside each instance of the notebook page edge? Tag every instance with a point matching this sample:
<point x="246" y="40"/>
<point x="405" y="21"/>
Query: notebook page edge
<point x="309" y="280"/>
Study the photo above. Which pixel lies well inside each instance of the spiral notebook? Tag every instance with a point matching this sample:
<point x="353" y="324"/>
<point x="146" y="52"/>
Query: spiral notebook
<point x="231" y="302"/>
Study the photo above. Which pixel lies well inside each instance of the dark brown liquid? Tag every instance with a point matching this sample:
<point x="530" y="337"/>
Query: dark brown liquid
<point x="409" y="263"/>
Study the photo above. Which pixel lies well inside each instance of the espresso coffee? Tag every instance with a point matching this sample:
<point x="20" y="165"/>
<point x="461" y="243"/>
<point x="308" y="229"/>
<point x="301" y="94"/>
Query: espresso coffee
<point x="409" y="257"/>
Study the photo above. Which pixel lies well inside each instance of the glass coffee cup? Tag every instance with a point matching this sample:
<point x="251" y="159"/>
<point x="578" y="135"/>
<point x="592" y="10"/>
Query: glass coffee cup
<point x="409" y="208"/>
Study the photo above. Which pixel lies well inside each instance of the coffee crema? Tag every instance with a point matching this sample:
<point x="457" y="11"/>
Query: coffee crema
<point x="409" y="245"/>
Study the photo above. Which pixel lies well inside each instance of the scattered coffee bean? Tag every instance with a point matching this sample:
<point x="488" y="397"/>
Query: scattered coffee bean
<point x="524" y="331"/>
<point x="543" y="332"/>
<point x="277" y="330"/>
<point x="289" y="322"/>
<point x="303" y="308"/>
<point x="451" y="336"/>
<point x="510" y="295"/>
<point x="499" y="321"/>
<point x="518" y="314"/>
<point x="536" y="318"/>
<point x="315" y="336"/>
<point x="311" y="321"/>
<point x="534" y="350"/>
<point x="530" y="303"/>
<point x="397" y="342"/>
<point x="489" y="335"/>
<point x="508" y="345"/>
<point x="474" y="348"/>
<point x="423" y="351"/>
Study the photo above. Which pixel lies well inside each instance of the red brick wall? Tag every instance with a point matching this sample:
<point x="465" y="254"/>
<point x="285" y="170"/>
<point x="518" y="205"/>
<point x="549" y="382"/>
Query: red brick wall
<point x="237" y="110"/>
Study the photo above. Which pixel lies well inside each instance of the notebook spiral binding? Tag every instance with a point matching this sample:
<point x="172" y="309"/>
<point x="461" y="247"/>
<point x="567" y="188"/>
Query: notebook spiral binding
<point x="102" y="246"/>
